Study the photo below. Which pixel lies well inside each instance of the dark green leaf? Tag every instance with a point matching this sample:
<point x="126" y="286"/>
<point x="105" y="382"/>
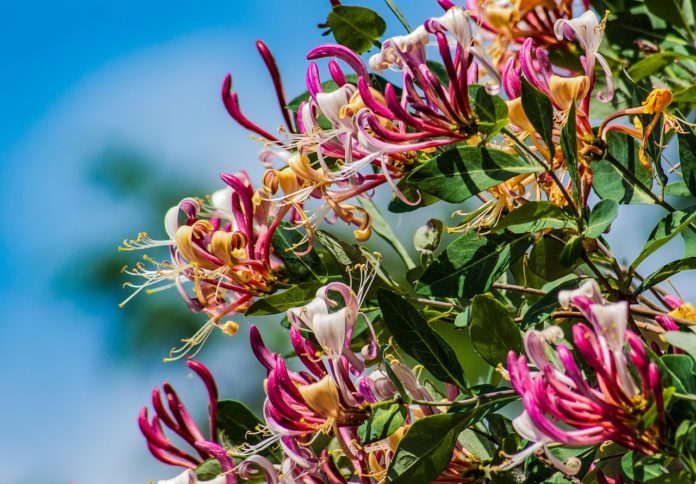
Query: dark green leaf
<point x="295" y="296"/>
<point x="491" y="110"/>
<point x="671" y="11"/>
<point x="609" y="182"/>
<point x="439" y="70"/>
<point x="539" y="111"/>
<point x="535" y="216"/>
<point x="572" y="251"/>
<point x="687" y="95"/>
<point x="493" y="332"/>
<point x="471" y="264"/>
<point x="426" y="449"/>
<point x="357" y="28"/>
<point x="689" y="238"/>
<point x="651" y="64"/>
<point x="638" y="467"/>
<point x="345" y="254"/>
<point x="603" y="214"/>
<point x="665" y="230"/>
<point x="542" y="309"/>
<point x="687" y="159"/>
<point x="679" y="370"/>
<point x="666" y="272"/>
<point x="285" y="242"/>
<point x="682" y="340"/>
<point x="569" y="148"/>
<point x="383" y="422"/>
<point x="461" y="172"/>
<point x="544" y="258"/>
<point x="415" y="337"/>
<point x="236" y="423"/>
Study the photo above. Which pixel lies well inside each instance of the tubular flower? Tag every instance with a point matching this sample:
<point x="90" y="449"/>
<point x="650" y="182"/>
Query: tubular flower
<point x="442" y="114"/>
<point x="179" y="421"/>
<point x="300" y="406"/>
<point x="564" y="91"/>
<point x="222" y="250"/>
<point x="334" y="329"/>
<point x="508" y="22"/>
<point x="614" y="408"/>
<point x="655" y="105"/>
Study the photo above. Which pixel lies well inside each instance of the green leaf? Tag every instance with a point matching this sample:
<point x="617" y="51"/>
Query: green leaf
<point x="687" y="95"/>
<point x="682" y="340"/>
<point x="544" y="258"/>
<point x="415" y="337"/>
<point x="439" y="70"/>
<point x="461" y="172"/>
<point x="569" y="148"/>
<point x="678" y="189"/>
<point x="236" y="423"/>
<point x="344" y="253"/>
<point x="493" y="332"/>
<point x="535" y="216"/>
<point x="491" y="111"/>
<point x="572" y="251"/>
<point x="671" y="11"/>
<point x="426" y="449"/>
<point x="208" y="470"/>
<point x="651" y="64"/>
<point x="285" y="241"/>
<point x="539" y="111"/>
<point x="679" y="369"/>
<point x="610" y="183"/>
<point x="357" y="28"/>
<point x="666" y="272"/>
<point x="603" y="214"/>
<point x="542" y="309"/>
<point x="383" y="422"/>
<point x="641" y="468"/>
<point x="665" y="230"/>
<point x="293" y="297"/>
<point x="471" y="264"/>
<point x="689" y="238"/>
<point x="687" y="159"/>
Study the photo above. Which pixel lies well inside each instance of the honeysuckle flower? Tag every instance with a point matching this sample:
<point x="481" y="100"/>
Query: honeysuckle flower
<point x="300" y="406"/>
<point x="612" y="409"/>
<point x="177" y="418"/>
<point x="589" y="32"/>
<point x="442" y="114"/>
<point x="506" y="23"/>
<point x="655" y="105"/>
<point x="333" y="321"/>
<point x="222" y="250"/>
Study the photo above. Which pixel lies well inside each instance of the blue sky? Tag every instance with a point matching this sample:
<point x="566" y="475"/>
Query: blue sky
<point x="80" y="76"/>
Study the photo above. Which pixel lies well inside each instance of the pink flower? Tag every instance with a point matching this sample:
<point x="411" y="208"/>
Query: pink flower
<point x="590" y="413"/>
<point x="220" y="254"/>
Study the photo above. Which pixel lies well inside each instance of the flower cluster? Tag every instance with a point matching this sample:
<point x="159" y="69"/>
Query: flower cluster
<point x="502" y="101"/>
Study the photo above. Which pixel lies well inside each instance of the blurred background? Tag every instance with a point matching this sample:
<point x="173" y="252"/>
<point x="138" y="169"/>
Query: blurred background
<point x="110" y="114"/>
